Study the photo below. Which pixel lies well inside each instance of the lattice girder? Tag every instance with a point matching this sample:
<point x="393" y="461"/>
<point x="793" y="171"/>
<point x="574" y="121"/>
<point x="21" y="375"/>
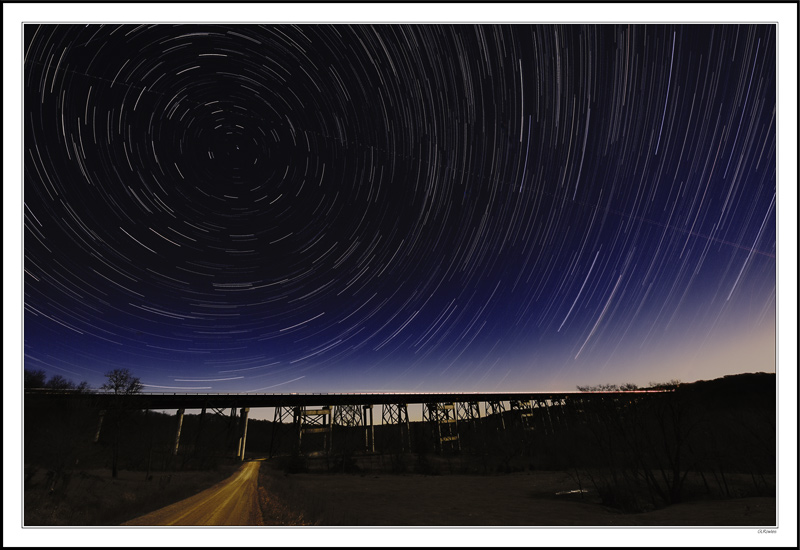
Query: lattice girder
<point x="349" y="415"/>
<point x="443" y="418"/>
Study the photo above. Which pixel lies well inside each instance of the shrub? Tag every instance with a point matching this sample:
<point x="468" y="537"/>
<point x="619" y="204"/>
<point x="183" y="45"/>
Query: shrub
<point x="294" y="464"/>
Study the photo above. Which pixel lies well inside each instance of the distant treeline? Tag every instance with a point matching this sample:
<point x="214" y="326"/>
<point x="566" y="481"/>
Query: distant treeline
<point x="36" y="379"/>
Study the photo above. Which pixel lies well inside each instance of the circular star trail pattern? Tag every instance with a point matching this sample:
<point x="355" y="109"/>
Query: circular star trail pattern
<point x="392" y="207"/>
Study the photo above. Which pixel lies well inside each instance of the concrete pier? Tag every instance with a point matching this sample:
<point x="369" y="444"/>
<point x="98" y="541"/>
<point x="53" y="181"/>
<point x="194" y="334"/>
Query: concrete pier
<point x="102" y="415"/>
<point x="243" y="439"/>
<point x="369" y="430"/>
<point x="178" y="432"/>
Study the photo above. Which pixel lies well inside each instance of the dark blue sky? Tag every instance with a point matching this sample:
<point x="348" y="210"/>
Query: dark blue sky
<point x="399" y="207"/>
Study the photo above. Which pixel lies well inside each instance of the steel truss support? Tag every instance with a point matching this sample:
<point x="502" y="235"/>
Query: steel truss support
<point x="468" y="411"/>
<point x="570" y="408"/>
<point x="348" y="415"/>
<point x="396" y="414"/>
<point x="354" y="416"/>
<point x="443" y="418"/>
<point x="313" y="421"/>
<point x="543" y="412"/>
<point x="285" y="415"/>
<point x="496" y="409"/>
<point x="553" y="413"/>
<point x="525" y="413"/>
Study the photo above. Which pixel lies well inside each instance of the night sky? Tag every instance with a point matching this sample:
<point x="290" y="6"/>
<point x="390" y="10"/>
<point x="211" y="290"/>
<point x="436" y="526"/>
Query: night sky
<point x="328" y="208"/>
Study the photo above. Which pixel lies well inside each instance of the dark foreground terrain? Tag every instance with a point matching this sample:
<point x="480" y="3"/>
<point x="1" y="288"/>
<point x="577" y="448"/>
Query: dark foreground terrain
<point x="537" y="498"/>
<point x="530" y="498"/>
<point x="703" y="455"/>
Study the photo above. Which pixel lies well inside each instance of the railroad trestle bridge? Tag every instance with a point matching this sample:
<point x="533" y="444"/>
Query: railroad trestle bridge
<point x="318" y="413"/>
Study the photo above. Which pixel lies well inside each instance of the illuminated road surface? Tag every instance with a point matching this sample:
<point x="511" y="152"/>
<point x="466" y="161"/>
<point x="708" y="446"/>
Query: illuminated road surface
<point x="233" y="501"/>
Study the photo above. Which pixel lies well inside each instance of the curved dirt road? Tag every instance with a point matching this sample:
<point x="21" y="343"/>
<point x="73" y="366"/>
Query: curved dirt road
<point x="233" y="501"/>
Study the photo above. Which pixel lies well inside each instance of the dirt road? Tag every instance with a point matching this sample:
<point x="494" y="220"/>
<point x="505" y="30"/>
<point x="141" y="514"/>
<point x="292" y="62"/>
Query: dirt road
<point x="233" y="501"/>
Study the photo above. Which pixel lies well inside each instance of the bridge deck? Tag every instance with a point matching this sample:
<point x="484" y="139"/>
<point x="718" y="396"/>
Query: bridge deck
<point x="162" y="401"/>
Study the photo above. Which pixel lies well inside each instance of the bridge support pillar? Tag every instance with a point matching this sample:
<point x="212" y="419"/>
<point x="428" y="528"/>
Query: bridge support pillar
<point x="298" y="422"/>
<point x="397" y="414"/>
<point x="563" y="411"/>
<point x="547" y="418"/>
<point x="442" y="416"/>
<point x="369" y="431"/>
<point x="496" y="408"/>
<point x="243" y="439"/>
<point x="199" y="429"/>
<point x="102" y="415"/>
<point x="556" y="410"/>
<point x="469" y="412"/>
<point x="312" y="421"/>
<point x="283" y="414"/>
<point x="178" y="431"/>
<point x="524" y="411"/>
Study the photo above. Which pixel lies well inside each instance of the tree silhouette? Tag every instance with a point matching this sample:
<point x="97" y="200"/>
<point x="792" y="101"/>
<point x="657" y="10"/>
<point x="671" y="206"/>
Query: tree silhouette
<point x="34" y="379"/>
<point x="58" y="382"/>
<point x="37" y="379"/>
<point x="122" y="382"/>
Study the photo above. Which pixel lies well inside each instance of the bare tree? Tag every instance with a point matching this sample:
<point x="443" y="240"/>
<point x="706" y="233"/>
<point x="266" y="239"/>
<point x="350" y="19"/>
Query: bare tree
<point x="34" y="379"/>
<point x="121" y="381"/>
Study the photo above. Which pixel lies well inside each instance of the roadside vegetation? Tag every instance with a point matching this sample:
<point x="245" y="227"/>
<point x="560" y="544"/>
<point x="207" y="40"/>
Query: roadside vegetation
<point x="708" y="439"/>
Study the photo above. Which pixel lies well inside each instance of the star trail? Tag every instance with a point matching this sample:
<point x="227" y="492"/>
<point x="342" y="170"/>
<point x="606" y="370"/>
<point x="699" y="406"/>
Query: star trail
<point x="428" y="207"/>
